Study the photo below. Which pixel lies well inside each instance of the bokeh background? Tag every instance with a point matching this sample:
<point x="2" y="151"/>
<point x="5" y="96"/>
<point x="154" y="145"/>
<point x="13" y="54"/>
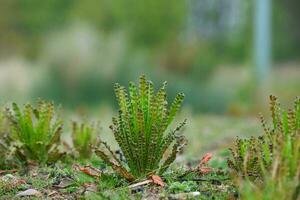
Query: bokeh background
<point x="227" y="56"/>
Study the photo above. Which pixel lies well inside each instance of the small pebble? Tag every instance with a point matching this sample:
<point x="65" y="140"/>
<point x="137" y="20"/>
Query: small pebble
<point x="29" y="192"/>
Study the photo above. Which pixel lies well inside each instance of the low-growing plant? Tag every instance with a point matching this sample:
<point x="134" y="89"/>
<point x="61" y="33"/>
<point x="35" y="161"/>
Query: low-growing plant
<point x="140" y="131"/>
<point x="36" y="131"/>
<point x="185" y="186"/>
<point x="282" y="188"/>
<point x="5" y="142"/>
<point x="83" y="136"/>
<point x="273" y="159"/>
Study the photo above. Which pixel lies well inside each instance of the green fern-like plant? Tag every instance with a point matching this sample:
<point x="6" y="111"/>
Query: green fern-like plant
<point x="5" y="142"/>
<point x="36" y="131"/>
<point x="272" y="159"/>
<point x="2" y="142"/>
<point x="83" y="136"/>
<point x="141" y="130"/>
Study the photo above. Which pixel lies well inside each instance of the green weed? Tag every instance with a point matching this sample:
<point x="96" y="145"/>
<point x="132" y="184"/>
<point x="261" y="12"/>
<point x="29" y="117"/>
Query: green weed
<point x="6" y="157"/>
<point x="84" y="136"/>
<point x="270" y="164"/>
<point x="36" y="131"/>
<point x="140" y="128"/>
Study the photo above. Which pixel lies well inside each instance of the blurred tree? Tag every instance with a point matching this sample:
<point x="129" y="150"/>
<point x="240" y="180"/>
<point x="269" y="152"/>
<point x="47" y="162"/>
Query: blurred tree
<point x="24" y="24"/>
<point x="147" y="22"/>
<point x="286" y="30"/>
<point x="26" y="21"/>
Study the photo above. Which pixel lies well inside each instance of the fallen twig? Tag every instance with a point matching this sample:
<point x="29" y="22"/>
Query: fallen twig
<point x="8" y="171"/>
<point x="203" y="179"/>
<point x="140" y="184"/>
<point x="152" y="179"/>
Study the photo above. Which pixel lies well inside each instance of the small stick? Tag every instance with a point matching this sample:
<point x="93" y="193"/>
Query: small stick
<point x="202" y="179"/>
<point x="8" y="171"/>
<point x="140" y="184"/>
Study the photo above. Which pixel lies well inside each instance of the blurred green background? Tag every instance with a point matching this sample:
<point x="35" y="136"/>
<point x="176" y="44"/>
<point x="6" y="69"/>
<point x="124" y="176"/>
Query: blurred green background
<point x="72" y="52"/>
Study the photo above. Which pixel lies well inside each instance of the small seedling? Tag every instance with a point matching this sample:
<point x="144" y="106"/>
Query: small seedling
<point x="140" y="130"/>
<point x="84" y="136"/>
<point x="6" y="160"/>
<point x="36" y="131"/>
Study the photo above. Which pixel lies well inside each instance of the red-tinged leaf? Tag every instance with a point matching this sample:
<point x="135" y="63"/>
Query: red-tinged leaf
<point x="88" y="170"/>
<point x="157" y="180"/>
<point x="205" y="159"/>
<point x="205" y="170"/>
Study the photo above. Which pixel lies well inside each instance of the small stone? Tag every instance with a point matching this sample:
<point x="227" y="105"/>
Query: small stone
<point x="8" y="178"/>
<point x="64" y="183"/>
<point x="29" y="192"/>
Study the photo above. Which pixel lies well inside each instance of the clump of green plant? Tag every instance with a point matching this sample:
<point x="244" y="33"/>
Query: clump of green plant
<point x="5" y="141"/>
<point x="271" y="161"/>
<point x="36" y="131"/>
<point x="83" y="136"/>
<point x="140" y="131"/>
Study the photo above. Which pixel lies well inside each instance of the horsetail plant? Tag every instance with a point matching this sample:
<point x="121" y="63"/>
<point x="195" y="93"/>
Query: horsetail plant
<point x="140" y="131"/>
<point x="83" y="136"/>
<point x="273" y="158"/>
<point x="37" y="131"/>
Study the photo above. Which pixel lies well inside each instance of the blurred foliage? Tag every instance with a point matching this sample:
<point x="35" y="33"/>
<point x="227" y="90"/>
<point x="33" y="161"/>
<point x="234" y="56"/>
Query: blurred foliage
<point x="272" y="161"/>
<point x="24" y="23"/>
<point x="147" y="23"/>
<point x="83" y="137"/>
<point x="5" y="141"/>
<point x="286" y="17"/>
<point x="254" y="157"/>
<point x="36" y="132"/>
<point x="78" y="48"/>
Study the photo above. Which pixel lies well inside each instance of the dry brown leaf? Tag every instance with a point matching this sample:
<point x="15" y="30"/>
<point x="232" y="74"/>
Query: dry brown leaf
<point x="52" y="193"/>
<point x="157" y="180"/>
<point x="115" y="165"/>
<point x="89" y="170"/>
